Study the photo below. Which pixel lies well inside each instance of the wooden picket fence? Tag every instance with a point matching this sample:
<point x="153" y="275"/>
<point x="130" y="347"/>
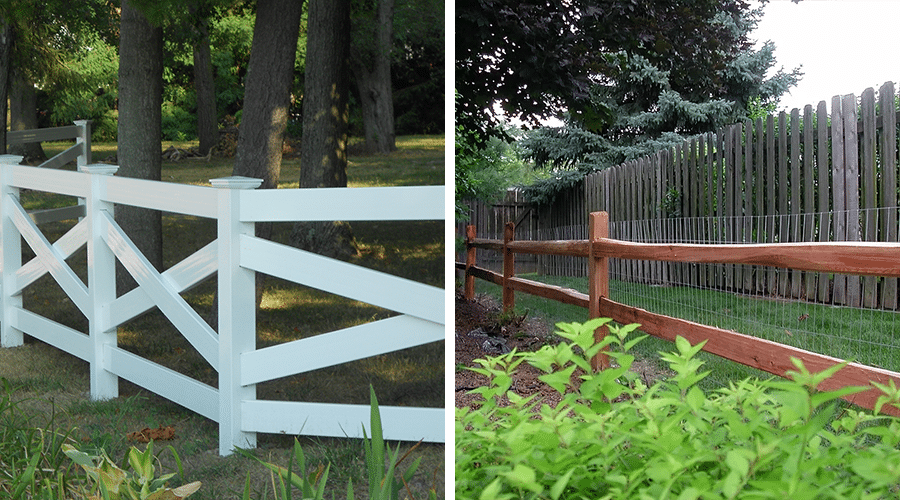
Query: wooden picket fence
<point x="802" y="176"/>
<point x="235" y="256"/>
<point x="856" y="258"/>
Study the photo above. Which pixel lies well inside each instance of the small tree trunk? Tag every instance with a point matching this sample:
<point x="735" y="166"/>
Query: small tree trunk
<point x="6" y="42"/>
<point x="23" y="116"/>
<point x="140" y="129"/>
<point x="204" y="85"/>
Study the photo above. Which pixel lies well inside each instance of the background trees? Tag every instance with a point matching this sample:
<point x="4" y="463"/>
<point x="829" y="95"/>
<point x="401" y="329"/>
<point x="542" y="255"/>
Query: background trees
<point x="72" y="62"/>
<point x="626" y="77"/>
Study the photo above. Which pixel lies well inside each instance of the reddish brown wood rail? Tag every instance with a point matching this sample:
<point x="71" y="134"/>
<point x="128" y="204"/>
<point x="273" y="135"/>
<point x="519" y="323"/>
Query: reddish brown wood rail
<point x="861" y="258"/>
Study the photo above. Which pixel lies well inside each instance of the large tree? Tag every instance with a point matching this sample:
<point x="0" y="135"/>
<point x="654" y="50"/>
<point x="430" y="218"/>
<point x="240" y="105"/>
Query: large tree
<point x="537" y="59"/>
<point x="267" y="90"/>
<point x="140" y="135"/>
<point x="23" y="115"/>
<point x="323" y="161"/>
<point x="628" y="76"/>
<point x="372" y="44"/>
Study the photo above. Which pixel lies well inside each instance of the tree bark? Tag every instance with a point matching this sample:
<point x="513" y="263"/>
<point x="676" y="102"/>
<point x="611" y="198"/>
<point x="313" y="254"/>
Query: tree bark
<point x="323" y="152"/>
<point x="372" y="69"/>
<point x="140" y="134"/>
<point x="23" y="116"/>
<point x="204" y="85"/>
<point x="6" y="42"/>
<point x="267" y="90"/>
<point x="267" y="99"/>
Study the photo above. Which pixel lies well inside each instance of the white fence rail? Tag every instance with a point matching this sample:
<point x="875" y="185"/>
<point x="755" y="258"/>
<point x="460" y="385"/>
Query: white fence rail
<point x="236" y="255"/>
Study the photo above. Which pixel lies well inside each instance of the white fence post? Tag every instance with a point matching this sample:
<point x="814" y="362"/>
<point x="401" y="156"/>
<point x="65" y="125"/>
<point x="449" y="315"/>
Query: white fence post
<point x="236" y="313"/>
<point x="101" y="283"/>
<point x="84" y="139"/>
<point x="10" y="257"/>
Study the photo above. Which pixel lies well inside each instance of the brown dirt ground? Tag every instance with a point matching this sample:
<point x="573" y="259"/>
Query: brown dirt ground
<point x="523" y="334"/>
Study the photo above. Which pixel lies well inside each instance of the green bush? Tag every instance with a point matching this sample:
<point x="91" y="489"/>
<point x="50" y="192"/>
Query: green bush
<point x="178" y="124"/>
<point x="613" y="437"/>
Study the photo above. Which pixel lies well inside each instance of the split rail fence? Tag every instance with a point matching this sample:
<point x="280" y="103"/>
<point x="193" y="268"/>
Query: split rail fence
<point x="236" y="255"/>
<point x="802" y="176"/>
<point x="857" y="258"/>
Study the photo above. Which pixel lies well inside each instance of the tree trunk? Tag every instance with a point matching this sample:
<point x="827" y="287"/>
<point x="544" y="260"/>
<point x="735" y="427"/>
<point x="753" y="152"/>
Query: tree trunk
<point x="140" y="134"/>
<point x="204" y="85"/>
<point x="6" y="42"/>
<point x="323" y="152"/>
<point x="23" y="116"/>
<point x="267" y="91"/>
<point x="267" y="98"/>
<point x="372" y="69"/>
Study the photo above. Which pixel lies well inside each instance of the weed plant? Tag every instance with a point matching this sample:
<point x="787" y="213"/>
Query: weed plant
<point x="39" y="462"/>
<point x="32" y="462"/>
<point x="612" y="437"/>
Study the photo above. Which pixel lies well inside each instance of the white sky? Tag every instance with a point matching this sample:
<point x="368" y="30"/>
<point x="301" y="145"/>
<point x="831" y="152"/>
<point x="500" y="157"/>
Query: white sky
<point x="844" y="46"/>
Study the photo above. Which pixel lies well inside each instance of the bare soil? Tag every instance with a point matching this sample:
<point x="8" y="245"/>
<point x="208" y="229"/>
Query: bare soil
<point x="481" y="333"/>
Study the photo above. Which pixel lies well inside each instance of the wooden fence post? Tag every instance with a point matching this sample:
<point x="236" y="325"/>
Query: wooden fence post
<point x="509" y="267"/>
<point x="101" y="282"/>
<point x="470" y="261"/>
<point x="598" y="281"/>
<point x="237" y="313"/>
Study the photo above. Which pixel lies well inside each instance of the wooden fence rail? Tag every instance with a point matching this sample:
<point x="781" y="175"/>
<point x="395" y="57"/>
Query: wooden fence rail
<point x="861" y="258"/>
<point x="799" y="176"/>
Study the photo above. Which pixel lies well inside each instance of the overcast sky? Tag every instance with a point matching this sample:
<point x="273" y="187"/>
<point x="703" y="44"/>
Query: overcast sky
<point x="844" y="46"/>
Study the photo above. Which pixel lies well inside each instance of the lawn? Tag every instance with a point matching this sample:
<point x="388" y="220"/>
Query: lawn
<point x="862" y="335"/>
<point x="43" y="378"/>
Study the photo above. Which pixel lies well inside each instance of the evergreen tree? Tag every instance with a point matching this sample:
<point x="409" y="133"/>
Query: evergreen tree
<point x="652" y="99"/>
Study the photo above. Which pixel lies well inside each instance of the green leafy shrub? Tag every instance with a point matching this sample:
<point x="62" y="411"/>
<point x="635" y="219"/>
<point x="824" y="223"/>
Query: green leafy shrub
<point x="613" y="437"/>
<point x="110" y="482"/>
<point x="178" y="124"/>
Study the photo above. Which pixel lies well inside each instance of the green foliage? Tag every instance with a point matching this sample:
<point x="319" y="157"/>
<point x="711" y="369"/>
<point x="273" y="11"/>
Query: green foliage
<point x="31" y="458"/>
<point x="87" y="91"/>
<point x="113" y="483"/>
<point x="651" y="99"/>
<point x="485" y="167"/>
<point x="383" y="485"/>
<point x="178" y="124"/>
<point x="613" y="437"/>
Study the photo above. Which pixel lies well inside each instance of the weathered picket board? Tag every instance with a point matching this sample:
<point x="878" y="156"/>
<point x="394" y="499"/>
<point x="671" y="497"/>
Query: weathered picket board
<point x="802" y="175"/>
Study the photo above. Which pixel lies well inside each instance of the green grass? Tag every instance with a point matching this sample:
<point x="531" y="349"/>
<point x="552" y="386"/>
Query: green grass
<point x="862" y="335"/>
<point x="41" y="374"/>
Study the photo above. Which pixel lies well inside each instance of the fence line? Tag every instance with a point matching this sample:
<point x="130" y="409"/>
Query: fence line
<point x="788" y="170"/>
<point x="859" y="258"/>
<point x="235" y="257"/>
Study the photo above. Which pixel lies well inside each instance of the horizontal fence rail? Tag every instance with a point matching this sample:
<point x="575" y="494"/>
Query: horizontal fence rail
<point x="825" y="172"/>
<point x="235" y="256"/>
<point x="870" y="259"/>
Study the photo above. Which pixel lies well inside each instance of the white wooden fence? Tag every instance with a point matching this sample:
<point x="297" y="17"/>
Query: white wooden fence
<point x="236" y="255"/>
